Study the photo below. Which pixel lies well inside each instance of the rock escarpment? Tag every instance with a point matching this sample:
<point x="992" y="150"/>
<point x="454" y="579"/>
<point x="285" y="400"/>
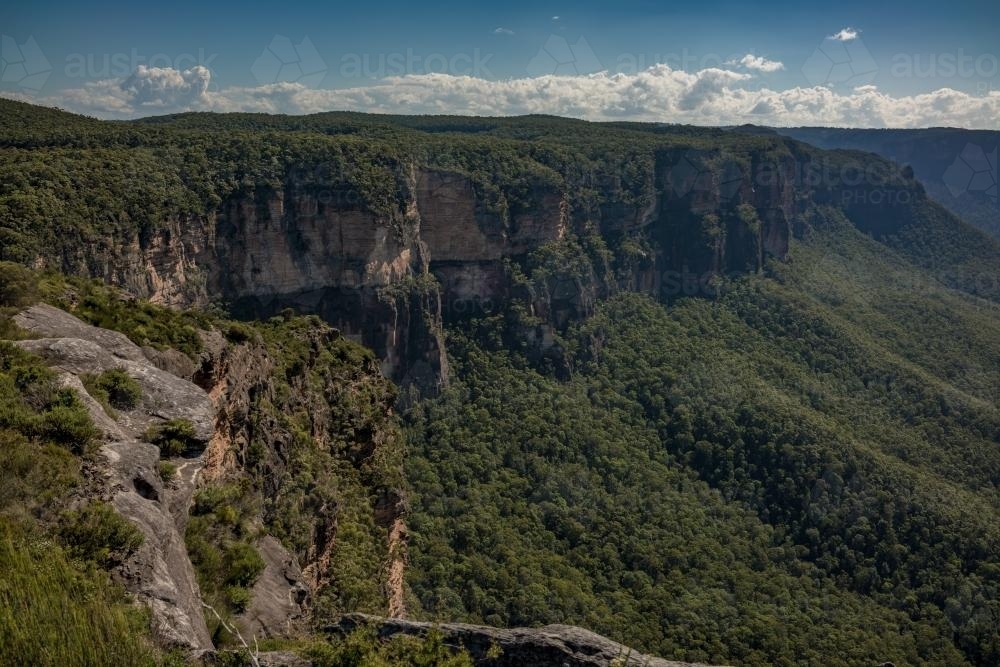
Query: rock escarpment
<point x="160" y="572"/>
<point x="295" y="419"/>
<point x="390" y="277"/>
<point x="304" y="418"/>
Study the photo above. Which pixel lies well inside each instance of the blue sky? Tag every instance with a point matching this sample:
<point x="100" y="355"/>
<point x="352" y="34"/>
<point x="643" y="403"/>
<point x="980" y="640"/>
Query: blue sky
<point x="667" y="56"/>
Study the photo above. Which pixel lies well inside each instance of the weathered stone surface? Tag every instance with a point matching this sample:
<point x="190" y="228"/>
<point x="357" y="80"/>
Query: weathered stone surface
<point x="172" y="361"/>
<point x="551" y="645"/>
<point x="108" y="427"/>
<point x="451" y="221"/>
<point x="51" y="322"/>
<point x="278" y="594"/>
<point x="164" y="396"/>
<point x="160" y="572"/>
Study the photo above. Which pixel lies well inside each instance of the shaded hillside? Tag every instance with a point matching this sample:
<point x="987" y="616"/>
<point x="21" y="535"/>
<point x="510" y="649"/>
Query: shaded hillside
<point x="815" y="450"/>
<point x="958" y="167"/>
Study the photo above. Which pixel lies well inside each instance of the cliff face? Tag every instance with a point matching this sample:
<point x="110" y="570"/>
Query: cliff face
<point x="320" y="247"/>
<point x="159" y="573"/>
<point x="292" y="425"/>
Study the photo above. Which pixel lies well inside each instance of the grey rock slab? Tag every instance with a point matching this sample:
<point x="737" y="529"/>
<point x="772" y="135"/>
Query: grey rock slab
<point x="51" y="322"/>
<point x="164" y="395"/>
<point x="278" y="593"/>
<point x="560" y="645"/>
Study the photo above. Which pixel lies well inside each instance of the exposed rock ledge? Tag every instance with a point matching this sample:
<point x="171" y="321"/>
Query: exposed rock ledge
<point x="159" y="573"/>
<point x="548" y="646"/>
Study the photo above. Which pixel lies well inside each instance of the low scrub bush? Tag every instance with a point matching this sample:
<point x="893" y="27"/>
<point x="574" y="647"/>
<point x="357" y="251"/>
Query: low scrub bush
<point x="174" y="437"/>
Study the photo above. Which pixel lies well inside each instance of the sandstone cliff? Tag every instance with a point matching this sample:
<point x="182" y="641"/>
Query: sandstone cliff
<point x="315" y="247"/>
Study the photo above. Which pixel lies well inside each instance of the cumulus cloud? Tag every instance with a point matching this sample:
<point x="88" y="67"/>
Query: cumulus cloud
<point x="503" y="31"/>
<point x="711" y="96"/>
<point x="166" y="87"/>
<point x="845" y="35"/>
<point x="758" y="63"/>
<point x="147" y="90"/>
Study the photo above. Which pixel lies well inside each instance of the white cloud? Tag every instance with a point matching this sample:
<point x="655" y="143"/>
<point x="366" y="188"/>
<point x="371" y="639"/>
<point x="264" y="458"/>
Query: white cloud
<point x="845" y="35"/>
<point x="711" y="96"/>
<point x="503" y="31"/>
<point x="758" y="63"/>
<point x="147" y="90"/>
<point x="166" y="87"/>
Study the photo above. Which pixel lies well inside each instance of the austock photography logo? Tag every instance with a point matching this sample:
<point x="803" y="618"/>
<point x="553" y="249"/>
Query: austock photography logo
<point x="945" y="65"/>
<point x="841" y="58"/>
<point x="559" y="57"/>
<point x="122" y="65"/>
<point x="381" y="65"/>
<point x="693" y="174"/>
<point x="449" y="191"/>
<point x="282" y="61"/>
<point x="974" y="170"/>
<point x="23" y="64"/>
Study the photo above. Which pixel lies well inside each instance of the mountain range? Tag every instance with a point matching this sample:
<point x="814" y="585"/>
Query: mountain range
<point x="722" y="395"/>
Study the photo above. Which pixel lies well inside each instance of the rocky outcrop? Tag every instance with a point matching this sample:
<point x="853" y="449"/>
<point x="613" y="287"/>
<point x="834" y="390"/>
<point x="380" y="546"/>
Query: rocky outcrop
<point x="279" y="594"/>
<point x="255" y="391"/>
<point x="230" y="400"/>
<point x="160" y="572"/>
<point x="563" y="645"/>
<point x="318" y="246"/>
<point x="164" y="396"/>
<point x="45" y="320"/>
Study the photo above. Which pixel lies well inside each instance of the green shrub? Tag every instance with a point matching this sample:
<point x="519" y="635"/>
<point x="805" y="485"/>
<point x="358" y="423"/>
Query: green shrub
<point x="70" y="426"/>
<point x="238" y="332"/>
<point x="32" y="403"/>
<point x="364" y="648"/>
<point x="214" y="498"/>
<point x="243" y="565"/>
<point x="219" y="539"/>
<point x="18" y="285"/>
<point x="34" y="476"/>
<point x="120" y="390"/>
<point x="108" y="307"/>
<point x="174" y="437"/>
<point x="99" y="533"/>
<point x="239" y="598"/>
<point x="167" y="470"/>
